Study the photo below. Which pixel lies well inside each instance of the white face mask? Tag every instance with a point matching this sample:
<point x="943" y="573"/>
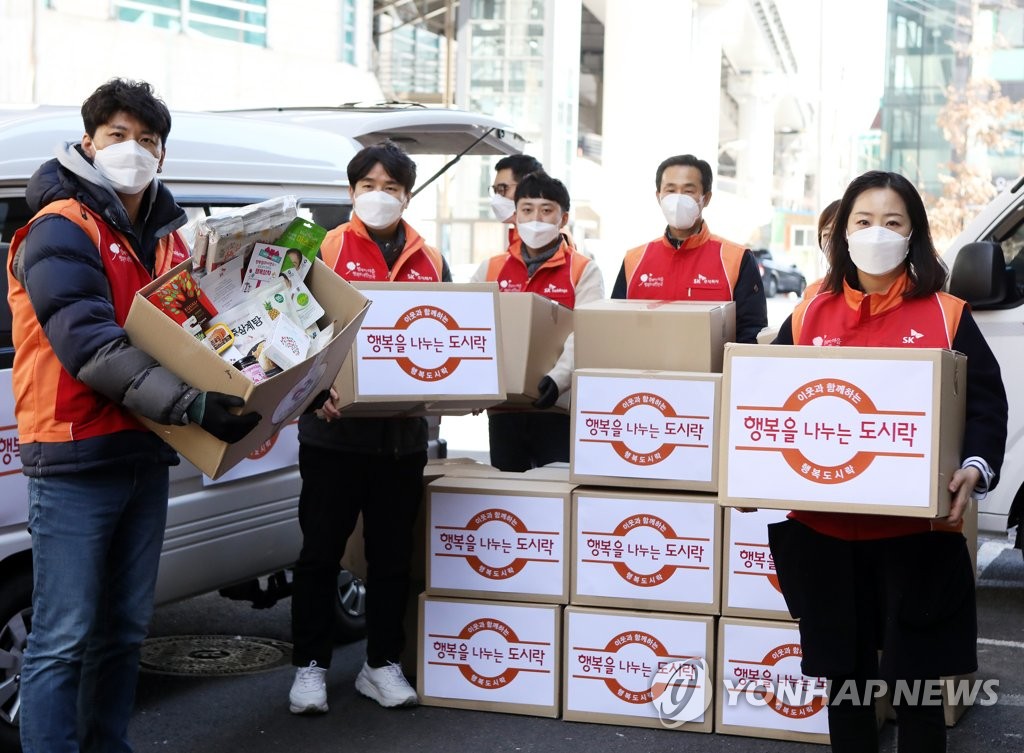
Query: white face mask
<point x="681" y="211"/>
<point x="503" y="209"/>
<point x="127" y="166"/>
<point x="378" y="209"/>
<point x="877" y="250"/>
<point x="537" y="235"/>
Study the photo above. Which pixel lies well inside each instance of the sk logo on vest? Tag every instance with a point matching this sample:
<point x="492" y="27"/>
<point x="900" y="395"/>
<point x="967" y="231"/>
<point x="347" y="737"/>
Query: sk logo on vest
<point x="914" y="335"/>
<point x="553" y="289"/>
<point x="702" y="280"/>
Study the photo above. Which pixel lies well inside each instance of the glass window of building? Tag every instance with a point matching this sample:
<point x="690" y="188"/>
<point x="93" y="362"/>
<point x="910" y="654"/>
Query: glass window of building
<point x="348" y="31"/>
<point x="242" y="21"/>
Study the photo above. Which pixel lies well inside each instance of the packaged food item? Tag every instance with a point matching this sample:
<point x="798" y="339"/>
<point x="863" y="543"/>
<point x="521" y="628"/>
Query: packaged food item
<point x="183" y="300"/>
<point x="249" y="366"/>
<point x="219" y="337"/>
<point x="304" y="307"/>
<point x="287" y="345"/>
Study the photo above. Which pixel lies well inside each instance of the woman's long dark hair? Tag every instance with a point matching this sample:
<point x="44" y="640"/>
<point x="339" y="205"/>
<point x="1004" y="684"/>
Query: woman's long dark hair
<point x="925" y="268"/>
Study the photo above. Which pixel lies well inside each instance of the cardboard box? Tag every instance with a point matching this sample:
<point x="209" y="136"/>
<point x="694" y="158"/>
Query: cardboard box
<point x="557" y="471"/>
<point x="862" y="430"/>
<point x="533" y="333"/>
<point x="498" y="538"/>
<point x="641" y="669"/>
<point x="489" y="656"/>
<point x="425" y="349"/>
<point x="661" y="335"/>
<point x="278" y="400"/>
<point x="639" y="550"/>
<point x="761" y="691"/>
<point x="652" y="429"/>
<point x="750" y="585"/>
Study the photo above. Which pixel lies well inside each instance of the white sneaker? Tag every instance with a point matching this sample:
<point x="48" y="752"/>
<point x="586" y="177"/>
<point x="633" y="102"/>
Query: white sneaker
<point x="309" y="691"/>
<point x="386" y="685"/>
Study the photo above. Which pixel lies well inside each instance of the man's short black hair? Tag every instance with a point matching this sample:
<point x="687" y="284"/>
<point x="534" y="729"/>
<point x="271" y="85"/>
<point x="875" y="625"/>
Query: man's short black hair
<point x="543" y="186"/>
<point x="686" y="160"/>
<point x="133" y="97"/>
<point x="521" y="165"/>
<point x="391" y="157"/>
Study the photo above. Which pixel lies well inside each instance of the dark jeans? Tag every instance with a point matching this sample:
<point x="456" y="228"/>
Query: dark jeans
<point x="336" y="487"/>
<point x="528" y="439"/>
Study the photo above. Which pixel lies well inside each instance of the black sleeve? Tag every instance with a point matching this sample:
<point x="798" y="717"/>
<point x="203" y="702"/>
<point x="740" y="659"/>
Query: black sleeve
<point x="446" y="272"/>
<point x="619" y="289"/>
<point x="985" y="426"/>
<point x="785" y="333"/>
<point x="751" y="306"/>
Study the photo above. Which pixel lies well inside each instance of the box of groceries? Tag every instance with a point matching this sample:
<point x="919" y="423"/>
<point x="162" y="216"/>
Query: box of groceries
<point x="504" y="537"/>
<point x="644" y="550"/>
<point x="533" y="333"/>
<point x="761" y="691"/>
<point x="853" y="430"/>
<point x="662" y="335"/>
<point x="642" y="669"/>
<point x="489" y="656"/>
<point x="250" y="344"/>
<point x="654" y="429"/>
<point x="425" y="349"/>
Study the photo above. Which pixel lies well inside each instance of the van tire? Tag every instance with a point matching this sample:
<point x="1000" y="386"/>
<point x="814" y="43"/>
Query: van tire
<point x="771" y="287"/>
<point x="349" y="608"/>
<point x="15" y="622"/>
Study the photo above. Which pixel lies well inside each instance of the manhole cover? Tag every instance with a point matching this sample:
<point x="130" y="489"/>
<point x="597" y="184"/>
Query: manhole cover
<point x="213" y="655"/>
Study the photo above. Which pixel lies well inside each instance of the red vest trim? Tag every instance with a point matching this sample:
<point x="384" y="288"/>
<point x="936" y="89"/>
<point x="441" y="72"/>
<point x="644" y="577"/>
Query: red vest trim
<point x="704" y="268"/>
<point x="556" y="279"/>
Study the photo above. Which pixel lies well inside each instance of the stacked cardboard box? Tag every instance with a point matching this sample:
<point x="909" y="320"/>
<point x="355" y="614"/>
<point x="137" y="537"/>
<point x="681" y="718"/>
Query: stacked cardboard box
<point x="646" y="573"/>
<point x="497" y="577"/>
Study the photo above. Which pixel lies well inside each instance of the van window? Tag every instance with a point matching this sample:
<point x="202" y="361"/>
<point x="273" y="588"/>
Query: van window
<point x="14" y="213"/>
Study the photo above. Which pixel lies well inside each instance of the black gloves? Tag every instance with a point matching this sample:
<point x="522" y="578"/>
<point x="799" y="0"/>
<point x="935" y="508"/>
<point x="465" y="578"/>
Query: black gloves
<point x="211" y="411"/>
<point x="548" y="393"/>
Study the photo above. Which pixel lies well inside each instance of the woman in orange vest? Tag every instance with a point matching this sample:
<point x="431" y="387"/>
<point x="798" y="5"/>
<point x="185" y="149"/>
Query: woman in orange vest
<point x="860" y="584"/>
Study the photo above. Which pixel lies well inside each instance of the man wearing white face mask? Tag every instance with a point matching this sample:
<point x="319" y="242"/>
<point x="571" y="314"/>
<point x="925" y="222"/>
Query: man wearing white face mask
<point x="372" y="466"/>
<point x="98" y="479"/>
<point x="895" y="586"/>
<point x="540" y="261"/>
<point x="688" y="263"/>
<point x="508" y="172"/>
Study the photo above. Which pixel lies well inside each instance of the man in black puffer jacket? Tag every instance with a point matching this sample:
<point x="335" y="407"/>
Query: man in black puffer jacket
<point x="98" y="479"/>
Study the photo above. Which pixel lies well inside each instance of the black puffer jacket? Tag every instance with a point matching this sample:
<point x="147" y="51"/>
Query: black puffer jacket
<point x="64" y="277"/>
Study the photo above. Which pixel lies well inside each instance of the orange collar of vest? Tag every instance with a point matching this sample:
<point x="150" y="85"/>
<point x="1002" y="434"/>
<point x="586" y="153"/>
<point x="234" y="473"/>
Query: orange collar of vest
<point x="561" y="256"/>
<point x="878" y="302"/>
<point x="699" y="238"/>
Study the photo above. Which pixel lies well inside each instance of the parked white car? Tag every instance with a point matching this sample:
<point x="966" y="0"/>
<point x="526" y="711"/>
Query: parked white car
<point x="224" y="534"/>
<point x="986" y="265"/>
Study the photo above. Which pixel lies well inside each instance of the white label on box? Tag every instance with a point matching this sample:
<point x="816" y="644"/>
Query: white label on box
<point x="428" y="343"/>
<point x="499" y="543"/>
<point x="612" y="659"/>
<point x="762" y="685"/>
<point x="13" y="483"/>
<point x="834" y="430"/>
<point x="644" y="428"/>
<point x="753" y="582"/>
<point x="643" y="549"/>
<point x="489" y="652"/>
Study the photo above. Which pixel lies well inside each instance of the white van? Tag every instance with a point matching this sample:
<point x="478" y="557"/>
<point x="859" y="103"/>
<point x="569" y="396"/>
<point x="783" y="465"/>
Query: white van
<point x="986" y="265"/>
<point x="244" y="526"/>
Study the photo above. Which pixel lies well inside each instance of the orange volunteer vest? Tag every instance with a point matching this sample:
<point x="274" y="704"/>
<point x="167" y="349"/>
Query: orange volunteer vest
<point x="704" y="268"/>
<point x="556" y="279"/>
<point x="50" y="404"/>
<point x="354" y="255"/>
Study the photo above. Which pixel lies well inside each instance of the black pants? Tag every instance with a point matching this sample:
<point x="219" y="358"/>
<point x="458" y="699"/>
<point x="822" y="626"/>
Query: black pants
<point x="336" y="487"/>
<point x="527" y="439"/>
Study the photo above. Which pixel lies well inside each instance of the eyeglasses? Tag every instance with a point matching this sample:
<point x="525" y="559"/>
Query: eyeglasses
<point x="503" y="189"/>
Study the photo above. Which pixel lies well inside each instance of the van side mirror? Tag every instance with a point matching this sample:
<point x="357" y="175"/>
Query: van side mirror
<point x="979" y="274"/>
